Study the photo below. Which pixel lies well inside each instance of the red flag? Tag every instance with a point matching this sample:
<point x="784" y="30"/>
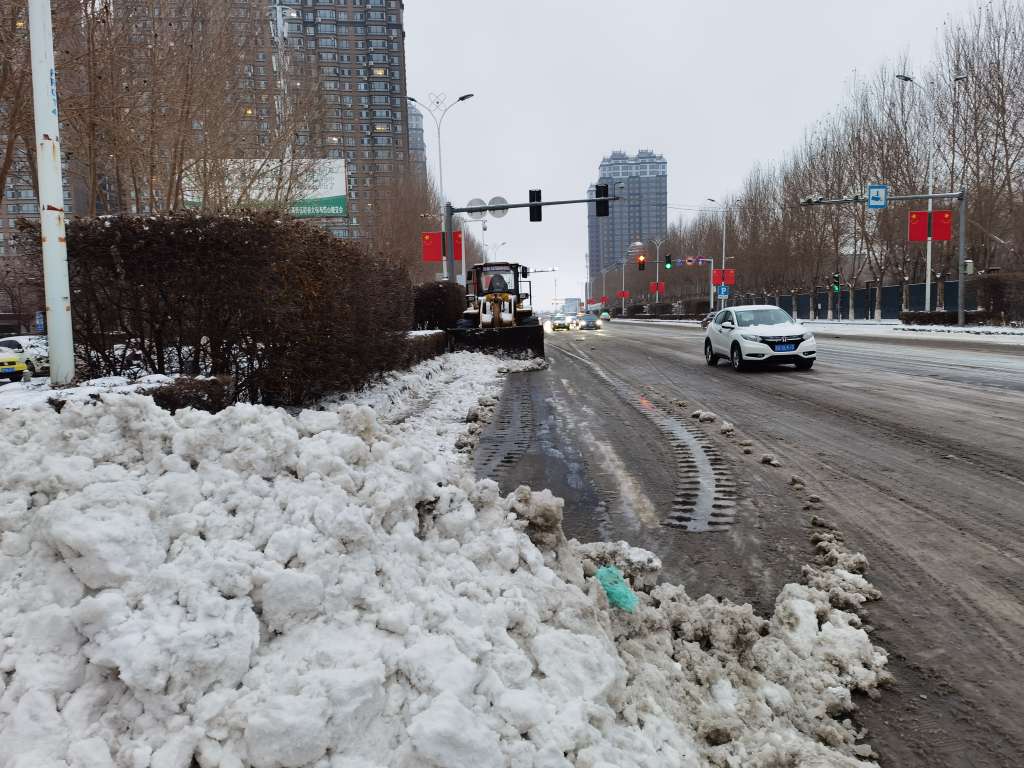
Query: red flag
<point x="942" y="225"/>
<point x="432" y="246"/>
<point x="716" y="276"/>
<point x="917" y="227"/>
<point x="729" y="276"/>
<point x="604" y="299"/>
<point x="658" y="287"/>
<point x="622" y="294"/>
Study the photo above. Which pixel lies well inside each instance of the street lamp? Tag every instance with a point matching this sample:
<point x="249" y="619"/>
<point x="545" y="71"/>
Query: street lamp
<point x="931" y="177"/>
<point x="437" y="109"/>
<point x="498" y="248"/>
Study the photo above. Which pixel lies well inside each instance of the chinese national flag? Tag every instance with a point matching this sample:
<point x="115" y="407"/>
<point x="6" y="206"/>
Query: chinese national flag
<point x="729" y="276"/>
<point x="942" y="225"/>
<point x="917" y="227"/>
<point x="716" y="276"/>
<point x="432" y="246"/>
<point x="604" y="299"/>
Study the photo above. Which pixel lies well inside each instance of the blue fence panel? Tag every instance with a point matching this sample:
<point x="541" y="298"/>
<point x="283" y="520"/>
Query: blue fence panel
<point x="891" y="300"/>
<point x="803" y="306"/>
<point x="860" y="303"/>
<point x="786" y="303"/>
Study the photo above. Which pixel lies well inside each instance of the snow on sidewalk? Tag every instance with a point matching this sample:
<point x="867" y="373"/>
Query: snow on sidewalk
<point x="334" y="589"/>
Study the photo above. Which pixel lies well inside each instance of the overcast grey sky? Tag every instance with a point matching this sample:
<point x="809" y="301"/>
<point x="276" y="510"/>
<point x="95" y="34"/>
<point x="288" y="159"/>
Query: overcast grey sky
<point x="713" y="86"/>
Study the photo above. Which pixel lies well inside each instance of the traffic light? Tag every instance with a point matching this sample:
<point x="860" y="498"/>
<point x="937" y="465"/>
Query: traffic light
<point x="601" y="206"/>
<point x="668" y="261"/>
<point x="536" y="212"/>
<point x="836" y="282"/>
<point x="641" y="262"/>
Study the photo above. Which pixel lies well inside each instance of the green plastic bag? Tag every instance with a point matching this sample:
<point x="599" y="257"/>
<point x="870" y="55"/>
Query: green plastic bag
<point x="618" y="591"/>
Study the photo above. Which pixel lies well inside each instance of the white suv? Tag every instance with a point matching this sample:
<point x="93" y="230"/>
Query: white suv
<point x="758" y="333"/>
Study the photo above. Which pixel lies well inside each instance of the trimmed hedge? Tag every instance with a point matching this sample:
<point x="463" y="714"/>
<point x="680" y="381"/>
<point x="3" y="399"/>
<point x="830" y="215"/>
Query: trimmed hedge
<point x="284" y="309"/>
<point x="634" y="309"/>
<point x="438" y="305"/>
<point x="660" y="308"/>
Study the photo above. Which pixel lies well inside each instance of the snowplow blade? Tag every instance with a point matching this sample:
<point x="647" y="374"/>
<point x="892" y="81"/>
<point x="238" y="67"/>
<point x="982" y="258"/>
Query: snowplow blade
<point x="523" y="338"/>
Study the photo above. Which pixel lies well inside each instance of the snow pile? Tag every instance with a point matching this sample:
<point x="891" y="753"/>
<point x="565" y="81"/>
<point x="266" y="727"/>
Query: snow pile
<point x="333" y="589"/>
<point x="37" y="391"/>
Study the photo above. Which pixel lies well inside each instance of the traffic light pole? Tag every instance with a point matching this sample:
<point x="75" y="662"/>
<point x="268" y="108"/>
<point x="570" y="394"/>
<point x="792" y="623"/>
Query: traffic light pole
<point x="450" y="211"/>
<point x="961" y="318"/>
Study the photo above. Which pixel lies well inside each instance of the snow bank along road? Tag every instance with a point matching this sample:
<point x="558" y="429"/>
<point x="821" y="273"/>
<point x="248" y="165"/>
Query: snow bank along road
<point x="914" y="449"/>
<point x="333" y="588"/>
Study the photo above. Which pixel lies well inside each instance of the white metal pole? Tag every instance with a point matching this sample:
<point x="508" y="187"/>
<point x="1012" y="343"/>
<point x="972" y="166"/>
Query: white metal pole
<point x="623" y="287"/>
<point x="723" y="251"/>
<point x="928" y="247"/>
<point x="711" y="285"/>
<point x="51" y="195"/>
<point x="440" y="183"/>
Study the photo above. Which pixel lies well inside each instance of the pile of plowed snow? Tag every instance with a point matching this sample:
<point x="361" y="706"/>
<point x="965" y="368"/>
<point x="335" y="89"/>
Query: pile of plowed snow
<point x="334" y="589"/>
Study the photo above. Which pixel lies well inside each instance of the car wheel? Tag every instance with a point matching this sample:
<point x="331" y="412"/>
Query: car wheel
<point x="804" y="364"/>
<point x="709" y="354"/>
<point x="736" y="358"/>
<point x="31" y="366"/>
<point x="14" y="377"/>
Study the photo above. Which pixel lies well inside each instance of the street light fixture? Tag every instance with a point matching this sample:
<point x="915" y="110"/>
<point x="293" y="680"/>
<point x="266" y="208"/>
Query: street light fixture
<point x="437" y="110"/>
<point x="711" y="302"/>
<point x="931" y="177"/>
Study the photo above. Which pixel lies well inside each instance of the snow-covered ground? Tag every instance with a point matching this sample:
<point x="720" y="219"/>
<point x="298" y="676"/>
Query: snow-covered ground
<point x="334" y="589"/>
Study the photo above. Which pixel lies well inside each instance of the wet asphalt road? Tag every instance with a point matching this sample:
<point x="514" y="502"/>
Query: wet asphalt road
<point x="916" y="449"/>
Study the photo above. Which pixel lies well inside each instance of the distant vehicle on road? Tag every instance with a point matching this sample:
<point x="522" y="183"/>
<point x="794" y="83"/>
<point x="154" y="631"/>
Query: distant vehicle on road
<point x="561" y="322"/>
<point x="590" y="323"/>
<point x="605" y="317"/>
<point x="758" y="334"/>
<point x="706" y="320"/>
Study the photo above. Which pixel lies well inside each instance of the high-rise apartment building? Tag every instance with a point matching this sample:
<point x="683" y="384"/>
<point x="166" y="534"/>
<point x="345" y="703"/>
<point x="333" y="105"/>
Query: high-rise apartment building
<point x="641" y="213"/>
<point x="355" y="52"/>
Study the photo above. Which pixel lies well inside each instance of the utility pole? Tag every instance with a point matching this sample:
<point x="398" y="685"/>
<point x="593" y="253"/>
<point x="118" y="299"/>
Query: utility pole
<point x="51" y="195"/>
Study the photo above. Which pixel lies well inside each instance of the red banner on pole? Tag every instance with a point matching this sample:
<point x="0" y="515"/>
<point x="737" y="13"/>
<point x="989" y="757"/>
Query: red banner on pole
<point x="716" y="276"/>
<point x="604" y="299"/>
<point x="917" y="227"/>
<point x="433" y="246"/>
<point x="729" y="276"/>
<point x="658" y="287"/>
<point x="431" y="242"/>
<point x="941" y="226"/>
<point x="622" y="294"/>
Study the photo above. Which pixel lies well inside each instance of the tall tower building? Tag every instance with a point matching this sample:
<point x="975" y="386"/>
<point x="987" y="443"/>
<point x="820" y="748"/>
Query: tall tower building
<point x="641" y="181"/>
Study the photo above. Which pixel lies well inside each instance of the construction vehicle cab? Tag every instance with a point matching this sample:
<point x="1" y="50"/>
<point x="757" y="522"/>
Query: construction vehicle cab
<point x="499" y="315"/>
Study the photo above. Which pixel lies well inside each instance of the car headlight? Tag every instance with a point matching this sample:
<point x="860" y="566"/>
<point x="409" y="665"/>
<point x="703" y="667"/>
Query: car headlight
<point x="808" y="335"/>
<point x="751" y="337"/>
<point x="598" y="323"/>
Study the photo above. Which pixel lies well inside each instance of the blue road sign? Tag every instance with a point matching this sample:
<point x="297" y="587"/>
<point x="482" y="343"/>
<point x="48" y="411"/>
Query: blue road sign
<point x="878" y="196"/>
<point x="723" y="291"/>
<point x="40" y="322"/>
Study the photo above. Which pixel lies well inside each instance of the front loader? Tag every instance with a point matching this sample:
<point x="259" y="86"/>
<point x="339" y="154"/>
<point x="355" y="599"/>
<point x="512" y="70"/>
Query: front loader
<point x="498" y="315"/>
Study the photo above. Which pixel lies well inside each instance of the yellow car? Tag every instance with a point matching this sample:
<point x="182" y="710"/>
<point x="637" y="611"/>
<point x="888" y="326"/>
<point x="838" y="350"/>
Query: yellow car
<point x="11" y="366"/>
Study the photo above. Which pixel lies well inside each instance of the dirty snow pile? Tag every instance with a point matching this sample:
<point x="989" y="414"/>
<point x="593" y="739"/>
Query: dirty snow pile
<point x="334" y="589"/>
